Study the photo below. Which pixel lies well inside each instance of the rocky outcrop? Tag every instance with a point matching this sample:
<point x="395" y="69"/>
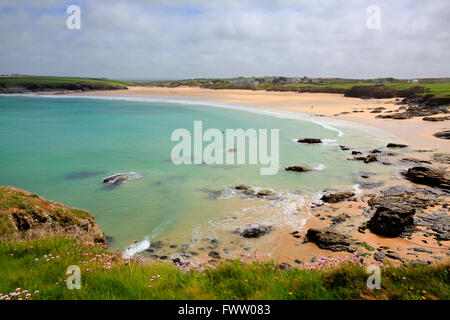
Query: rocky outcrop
<point x="328" y="240"/>
<point x="26" y="216"/>
<point x="443" y="135"/>
<point x="256" y="231"/>
<point x="436" y="119"/>
<point x="309" y="140"/>
<point x="391" y="221"/>
<point x="337" y="197"/>
<point x="297" y="169"/>
<point x="432" y="177"/>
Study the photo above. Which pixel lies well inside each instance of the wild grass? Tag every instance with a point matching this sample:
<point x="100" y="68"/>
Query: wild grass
<point x="40" y="265"/>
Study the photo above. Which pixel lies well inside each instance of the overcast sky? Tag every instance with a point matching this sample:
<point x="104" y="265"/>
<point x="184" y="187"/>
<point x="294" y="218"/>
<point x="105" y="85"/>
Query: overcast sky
<point x="225" y="38"/>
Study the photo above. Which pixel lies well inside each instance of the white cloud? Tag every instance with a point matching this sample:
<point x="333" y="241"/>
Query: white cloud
<point x="151" y="39"/>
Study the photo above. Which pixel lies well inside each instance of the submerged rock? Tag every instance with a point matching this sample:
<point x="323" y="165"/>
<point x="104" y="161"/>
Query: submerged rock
<point x="392" y="221"/>
<point x="309" y="140"/>
<point x="329" y="240"/>
<point x="367" y="159"/>
<point x="298" y="169"/>
<point x="119" y="178"/>
<point x="84" y="174"/>
<point x="432" y="177"/>
<point x="396" y="145"/>
<point x="337" y="197"/>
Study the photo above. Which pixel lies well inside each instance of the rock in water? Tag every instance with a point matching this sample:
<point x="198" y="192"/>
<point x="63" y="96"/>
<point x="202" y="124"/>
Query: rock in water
<point x="309" y="140"/>
<point x="396" y="145"/>
<point x="297" y="169"/>
<point x="121" y="177"/>
<point x="337" y="197"/>
<point x="429" y="176"/>
<point x="256" y="231"/>
<point x="391" y="221"/>
<point x="329" y="240"/>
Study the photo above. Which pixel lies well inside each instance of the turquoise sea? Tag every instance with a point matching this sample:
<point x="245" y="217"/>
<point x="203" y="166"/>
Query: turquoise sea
<point x="61" y="148"/>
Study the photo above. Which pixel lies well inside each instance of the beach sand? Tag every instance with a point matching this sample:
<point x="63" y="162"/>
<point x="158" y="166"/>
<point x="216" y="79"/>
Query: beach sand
<point x="279" y="244"/>
<point x="416" y="132"/>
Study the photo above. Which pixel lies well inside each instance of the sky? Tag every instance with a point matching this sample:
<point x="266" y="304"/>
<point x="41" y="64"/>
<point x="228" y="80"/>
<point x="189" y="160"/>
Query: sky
<point x="179" y="39"/>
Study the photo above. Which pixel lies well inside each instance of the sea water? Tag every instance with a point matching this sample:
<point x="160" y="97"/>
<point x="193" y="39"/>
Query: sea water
<point x="62" y="148"/>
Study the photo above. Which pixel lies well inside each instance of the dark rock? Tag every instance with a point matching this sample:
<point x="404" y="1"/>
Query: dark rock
<point x="435" y="119"/>
<point x="285" y="266"/>
<point x="415" y="160"/>
<point x="396" y="145"/>
<point x="337" y="197"/>
<point x="344" y="148"/>
<point x="297" y="169"/>
<point x="379" y="256"/>
<point x="429" y="176"/>
<point x="422" y="250"/>
<point x="393" y="255"/>
<point x="340" y="218"/>
<point x="309" y="140"/>
<point x="328" y="240"/>
<point x="367" y="159"/>
<point x="391" y="221"/>
<point x="264" y="193"/>
<point x="297" y="261"/>
<point x="242" y="187"/>
<point x="214" y="254"/>
<point x="355" y="153"/>
<point x="375" y="151"/>
<point x="443" y="135"/>
<point x="120" y="178"/>
<point x="256" y="231"/>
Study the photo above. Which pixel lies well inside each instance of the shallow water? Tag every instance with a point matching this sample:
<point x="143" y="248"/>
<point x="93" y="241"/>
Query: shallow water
<point x="62" y="148"/>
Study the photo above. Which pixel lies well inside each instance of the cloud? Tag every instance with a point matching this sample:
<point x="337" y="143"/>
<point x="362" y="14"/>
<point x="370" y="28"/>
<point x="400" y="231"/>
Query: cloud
<point x="187" y="39"/>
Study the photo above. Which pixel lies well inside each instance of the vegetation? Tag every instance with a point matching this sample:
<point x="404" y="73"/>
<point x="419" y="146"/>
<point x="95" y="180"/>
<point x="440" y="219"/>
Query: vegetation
<point x="70" y="83"/>
<point x="38" y="269"/>
<point x="437" y="87"/>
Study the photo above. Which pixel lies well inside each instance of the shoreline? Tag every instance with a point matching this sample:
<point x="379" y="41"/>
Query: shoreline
<point x="287" y="103"/>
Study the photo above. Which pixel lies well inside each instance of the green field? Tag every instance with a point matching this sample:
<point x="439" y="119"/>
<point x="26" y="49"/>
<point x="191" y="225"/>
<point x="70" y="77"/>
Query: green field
<point x="44" y="80"/>
<point x="40" y="265"/>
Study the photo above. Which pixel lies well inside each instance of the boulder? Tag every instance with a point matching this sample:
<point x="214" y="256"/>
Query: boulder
<point x="242" y="187"/>
<point x="367" y="159"/>
<point x="119" y="178"/>
<point x="337" y="197"/>
<point x="309" y="140"/>
<point x="264" y="193"/>
<point x="328" y="240"/>
<point x="391" y="221"/>
<point x="256" y="231"/>
<point x="432" y="177"/>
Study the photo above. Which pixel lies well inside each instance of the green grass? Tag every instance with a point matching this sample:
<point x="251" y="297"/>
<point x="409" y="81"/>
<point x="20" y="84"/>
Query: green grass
<point x="228" y="280"/>
<point x="46" y="80"/>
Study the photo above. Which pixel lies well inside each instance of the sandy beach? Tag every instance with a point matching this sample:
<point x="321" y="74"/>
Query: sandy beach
<point x="280" y="244"/>
<point x="416" y="132"/>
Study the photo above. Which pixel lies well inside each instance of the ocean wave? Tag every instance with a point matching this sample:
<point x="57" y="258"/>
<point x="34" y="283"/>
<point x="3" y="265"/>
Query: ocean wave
<point x="136" y="248"/>
<point x="319" y="167"/>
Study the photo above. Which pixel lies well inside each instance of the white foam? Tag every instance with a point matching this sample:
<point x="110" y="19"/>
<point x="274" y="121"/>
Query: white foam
<point x="136" y="248"/>
<point x="319" y="167"/>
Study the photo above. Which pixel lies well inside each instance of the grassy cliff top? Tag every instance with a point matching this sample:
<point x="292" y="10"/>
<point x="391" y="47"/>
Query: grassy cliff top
<point x="27" y="215"/>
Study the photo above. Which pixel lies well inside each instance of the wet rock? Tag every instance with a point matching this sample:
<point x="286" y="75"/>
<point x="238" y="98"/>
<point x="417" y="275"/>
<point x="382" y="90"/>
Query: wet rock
<point x="339" y="219"/>
<point x="264" y="193"/>
<point x="297" y="169"/>
<point x="214" y="254"/>
<point x="391" y="221"/>
<point x="297" y="261"/>
<point x="396" y="145"/>
<point x="443" y="135"/>
<point x="368" y="159"/>
<point x="119" y="178"/>
<point x="393" y="255"/>
<point x="355" y="153"/>
<point x="309" y="140"/>
<point x="375" y="151"/>
<point x="337" y="197"/>
<point x="379" y="256"/>
<point x="432" y="177"/>
<point x="256" y="231"/>
<point x="422" y="250"/>
<point x="344" y="148"/>
<point x="414" y="160"/>
<point x="328" y="240"/>
<point x="435" y="119"/>
<point x="242" y="187"/>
